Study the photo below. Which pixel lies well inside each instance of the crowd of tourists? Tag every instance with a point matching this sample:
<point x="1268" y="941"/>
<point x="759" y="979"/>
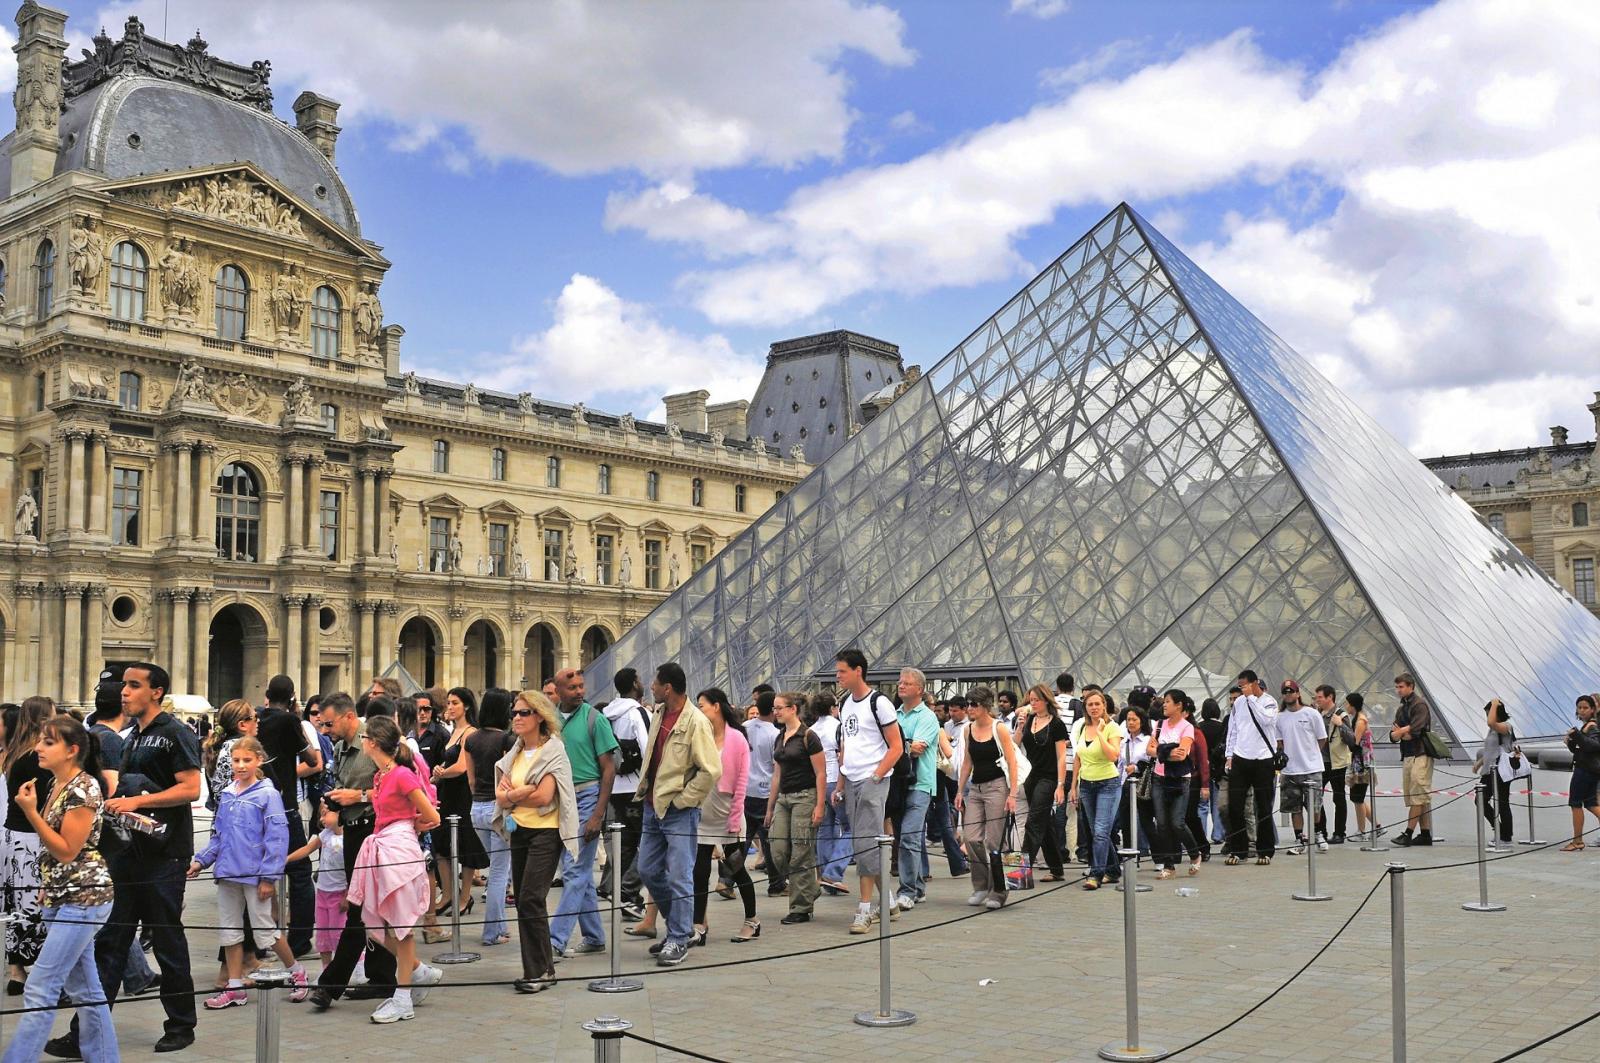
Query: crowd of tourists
<point x="334" y="824"/>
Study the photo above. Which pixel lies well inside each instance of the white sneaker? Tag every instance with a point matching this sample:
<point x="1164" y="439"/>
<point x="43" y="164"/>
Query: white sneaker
<point x="422" y="977"/>
<point x="906" y="901"/>
<point x="861" y="923"/>
<point x="977" y="898"/>
<point x="1297" y="849"/>
<point x="1322" y="844"/>
<point x="993" y="904"/>
<point x="392" y="1010"/>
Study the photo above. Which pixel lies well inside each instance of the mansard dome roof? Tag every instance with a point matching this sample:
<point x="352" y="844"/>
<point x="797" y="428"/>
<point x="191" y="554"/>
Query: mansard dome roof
<point x="145" y="107"/>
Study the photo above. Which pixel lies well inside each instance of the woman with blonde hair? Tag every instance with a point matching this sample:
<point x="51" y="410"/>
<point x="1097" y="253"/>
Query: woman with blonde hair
<point x="235" y="720"/>
<point x="533" y="789"/>
<point x="1097" y="743"/>
<point x="19" y="841"/>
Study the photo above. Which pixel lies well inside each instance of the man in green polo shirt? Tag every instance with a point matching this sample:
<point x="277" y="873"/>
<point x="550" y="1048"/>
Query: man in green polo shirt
<point x="920" y="729"/>
<point x="591" y="748"/>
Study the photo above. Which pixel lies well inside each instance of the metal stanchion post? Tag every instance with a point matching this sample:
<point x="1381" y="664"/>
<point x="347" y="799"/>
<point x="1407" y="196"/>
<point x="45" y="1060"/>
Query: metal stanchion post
<point x="1311" y="893"/>
<point x="1131" y="878"/>
<point x="1482" y="904"/>
<point x="1397" y="959"/>
<point x="1532" y="838"/>
<point x="607" y="1031"/>
<point x="615" y="983"/>
<point x="269" y="985"/>
<point x="1130" y="1049"/>
<point x="885" y="1015"/>
<point x="455" y="955"/>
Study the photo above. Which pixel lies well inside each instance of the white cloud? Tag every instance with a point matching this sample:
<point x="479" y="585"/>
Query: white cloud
<point x="1041" y="9"/>
<point x="580" y="86"/>
<point x="673" y="211"/>
<point x="907" y="123"/>
<point x="1114" y="57"/>
<point x="606" y="351"/>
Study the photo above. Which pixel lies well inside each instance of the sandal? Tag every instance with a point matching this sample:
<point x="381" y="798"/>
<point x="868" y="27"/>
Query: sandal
<point x="1091" y="883"/>
<point x="1233" y="861"/>
<point x="749" y="932"/>
<point x="1194" y="868"/>
<point x="1572" y="847"/>
<point x="1166" y="872"/>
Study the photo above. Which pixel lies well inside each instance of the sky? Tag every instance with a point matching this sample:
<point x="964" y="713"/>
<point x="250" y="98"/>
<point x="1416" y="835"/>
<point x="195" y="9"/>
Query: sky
<point x="608" y="202"/>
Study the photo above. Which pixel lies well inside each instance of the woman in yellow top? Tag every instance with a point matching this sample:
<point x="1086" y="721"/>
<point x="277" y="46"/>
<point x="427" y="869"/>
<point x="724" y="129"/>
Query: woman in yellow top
<point x="1096" y="742"/>
<point x="533" y="788"/>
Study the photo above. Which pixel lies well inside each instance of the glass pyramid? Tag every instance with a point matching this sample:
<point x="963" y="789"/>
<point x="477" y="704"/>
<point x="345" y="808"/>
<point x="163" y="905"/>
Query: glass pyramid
<point x="1125" y="474"/>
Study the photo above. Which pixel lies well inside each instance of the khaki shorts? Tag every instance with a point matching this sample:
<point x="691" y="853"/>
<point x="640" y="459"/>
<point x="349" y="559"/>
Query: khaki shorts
<point x="1417" y="779"/>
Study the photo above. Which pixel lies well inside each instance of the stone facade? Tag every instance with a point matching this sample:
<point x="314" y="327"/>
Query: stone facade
<point x="212" y="457"/>
<point x="1545" y="500"/>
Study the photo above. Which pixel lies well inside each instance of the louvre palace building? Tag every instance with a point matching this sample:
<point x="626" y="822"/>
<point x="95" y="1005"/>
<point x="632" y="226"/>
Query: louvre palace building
<point x="215" y="458"/>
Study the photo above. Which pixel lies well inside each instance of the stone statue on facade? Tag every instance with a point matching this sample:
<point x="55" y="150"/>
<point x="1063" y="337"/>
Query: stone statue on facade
<point x="419" y="560"/>
<point x="27" y="516"/>
<point x="674" y="431"/>
<point x="412" y="383"/>
<point x="298" y="402"/>
<point x="180" y="278"/>
<point x="718" y="436"/>
<point x="672" y="571"/>
<point x="394" y="547"/>
<point x="516" y="555"/>
<point x="86" y="252"/>
<point x="289" y="299"/>
<point x="797" y="452"/>
<point x="625" y="569"/>
<point x="580" y="414"/>
<point x="192" y="384"/>
<point x="625" y="422"/>
<point x="525" y="402"/>
<point x="572" y="573"/>
<point x="480" y="564"/>
<point x="471" y="395"/>
<point x="366" y="317"/>
<point x="455" y="552"/>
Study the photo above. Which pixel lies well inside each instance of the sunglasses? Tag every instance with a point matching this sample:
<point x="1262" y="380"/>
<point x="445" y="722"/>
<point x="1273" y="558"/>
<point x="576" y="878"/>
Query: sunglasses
<point x="521" y="713"/>
<point x="325" y="726"/>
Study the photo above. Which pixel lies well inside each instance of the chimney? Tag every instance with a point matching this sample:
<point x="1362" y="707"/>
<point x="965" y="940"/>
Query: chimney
<point x="41" y="49"/>
<point x="688" y="409"/>
<point x="389" y="343"/>
<point x="1558" y="436"/>
<point x="317" y="117"/>
<point x="729" y="417"/>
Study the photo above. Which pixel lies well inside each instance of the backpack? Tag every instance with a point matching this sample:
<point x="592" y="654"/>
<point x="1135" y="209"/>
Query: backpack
<point x="630" y="751"/>
<point x="318" y="786"/>
<point x="903" y="774"/>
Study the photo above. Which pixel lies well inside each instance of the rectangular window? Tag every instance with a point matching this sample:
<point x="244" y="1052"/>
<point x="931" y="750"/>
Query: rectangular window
<point x="38" y="392"/>
<point x="604" y="480"/>
<point x="499" y="537"/>
<point x="738" y="498"/>
<point x="1583" y="579"/>
<point x="652" y="564"/>
<point x="329" y="514"/>
<point x="497" y="464"/>
<point x="697" y="556"/>
<point x="652" y="486"/>
<point x="1497" y="522"/>
<point x="603" y="551"/>
<point x="330" y="418"/>
<point x="552" y="472"/>
<point x="127" y="496"/>
<point x="438" y="544"/>
<point x="441" y="456"/>
<point x="553" y="540"/>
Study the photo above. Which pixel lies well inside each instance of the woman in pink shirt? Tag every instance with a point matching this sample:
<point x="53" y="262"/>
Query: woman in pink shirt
<point x="390" y="878"/>
<point x="1172" y="749"/>
<point x="722" y="812"/>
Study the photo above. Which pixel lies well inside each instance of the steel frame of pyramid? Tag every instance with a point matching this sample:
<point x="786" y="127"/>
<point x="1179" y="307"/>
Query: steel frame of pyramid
<point x="1125" y="474"/>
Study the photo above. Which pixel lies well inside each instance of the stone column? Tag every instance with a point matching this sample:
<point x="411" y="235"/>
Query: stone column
<point x="30" y="628"/>
<point x="205" y="490"/>
<point x="183" y="501"/>
<point x="201" y="682"/>
<point x="310" y="680"/>
<point x="571" y="648"/>
<point x="294" y="538"/>
<point x="98" y="475"/>
<point x="360" y="494"/>
<point x="71" y="688"/>
<point x="47" y="673"/>
<point x="362" y="622"/>
<point x="293" y="604"/>
<point x="455" y="649"/>
<point x="388" y="647"/>
<point x="380" y="514"/>
<point x="179" y="665"/>
<point x="94" y="623"/>
<point x="75" y="478"/>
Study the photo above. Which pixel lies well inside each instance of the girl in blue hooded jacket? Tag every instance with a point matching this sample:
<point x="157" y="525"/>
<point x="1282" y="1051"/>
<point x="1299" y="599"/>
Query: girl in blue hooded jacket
<point x="249" y="839"/>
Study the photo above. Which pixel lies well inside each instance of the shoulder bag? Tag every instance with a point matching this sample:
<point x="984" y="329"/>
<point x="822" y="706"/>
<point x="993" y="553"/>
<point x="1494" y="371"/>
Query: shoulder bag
<point x="1280" y="759"/>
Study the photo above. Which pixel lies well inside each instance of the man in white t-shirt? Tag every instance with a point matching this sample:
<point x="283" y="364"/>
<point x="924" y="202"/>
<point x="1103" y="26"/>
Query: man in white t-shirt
<point x="1302" y="736"/>
<point x="869" y="745"/>
<point x="630" y="722"/>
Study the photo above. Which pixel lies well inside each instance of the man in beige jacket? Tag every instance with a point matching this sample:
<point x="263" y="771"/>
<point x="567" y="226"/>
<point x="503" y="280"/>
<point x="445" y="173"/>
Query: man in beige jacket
<point x="681" y="766"/>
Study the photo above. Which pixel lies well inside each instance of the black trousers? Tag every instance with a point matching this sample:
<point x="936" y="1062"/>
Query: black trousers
<point x="733" y="864"/>
<point x="1191" y="815"/>
<point x="353" y="940"/>
<point x="630" y="813"/>
<point x="1497" y="796"/>
<point x="302" y="912"/>
<point x="535" y="859"/>
<point x="1255" y="776"/>
<point x="149" y="891"/>
<point x="1041" y="789"/>
<point x="1334" y="777"/>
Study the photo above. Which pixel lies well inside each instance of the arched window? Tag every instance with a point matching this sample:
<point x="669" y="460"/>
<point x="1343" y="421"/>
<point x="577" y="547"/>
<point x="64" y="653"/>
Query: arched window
<point x="325" y="316"/>
<point x="1580" y="514"/>
<point x="497" y="464"/>
<point x="738" y="498"/>
<point x="44" y="261"/>
<point x="238" y="514"/>
<point x="552" y="472"/>
<point x="441" y="456"/>
<point x="604" y="483"/>
<point x="129" y="389"/>
<point x="232" y="303"/>
<point x="697" y="492"/>
<point x="130" y="280"/>
<point x="652" y="486"/>
<point x="330" y="417"/>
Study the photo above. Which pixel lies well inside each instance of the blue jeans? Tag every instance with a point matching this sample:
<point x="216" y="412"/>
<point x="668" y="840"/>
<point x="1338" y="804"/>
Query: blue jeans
<point x="667" y="849"/>
<point x="136" y="973"/>
<point x="941" y="827"/>
<point x="66" y="962"/>
<point x="499" y="850"/>
<point x="914" y="845"/>
<point x="579" y="902"/>
<point x="1211" y="819"/>
<point x="1100" y="800"/>
<point x="833" y="840"/>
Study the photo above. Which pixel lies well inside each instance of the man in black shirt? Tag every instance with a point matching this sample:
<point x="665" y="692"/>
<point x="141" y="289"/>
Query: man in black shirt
<point x="290" y="756"/>
<point x="161" y="776"/>
<point x="431" y="735"/>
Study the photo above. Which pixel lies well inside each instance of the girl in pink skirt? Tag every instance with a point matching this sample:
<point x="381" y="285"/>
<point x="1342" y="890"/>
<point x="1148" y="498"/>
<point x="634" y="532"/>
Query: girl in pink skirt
<point x="331" y="881"/>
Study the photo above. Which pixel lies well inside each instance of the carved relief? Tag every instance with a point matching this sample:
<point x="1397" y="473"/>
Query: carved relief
<point x="192" y="384"/>
<point x="86" y="252"/>
<point x="38" y="99"/>
<point x="299" y="403"/>
<point x="233" y="198"/>
<point x="243" y="397"/>
<point x="192" y="62"/>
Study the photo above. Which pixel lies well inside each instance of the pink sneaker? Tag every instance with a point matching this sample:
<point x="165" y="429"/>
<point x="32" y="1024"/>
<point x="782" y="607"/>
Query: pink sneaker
<point x="302" y="987"/>
<point x="228" y="998"/>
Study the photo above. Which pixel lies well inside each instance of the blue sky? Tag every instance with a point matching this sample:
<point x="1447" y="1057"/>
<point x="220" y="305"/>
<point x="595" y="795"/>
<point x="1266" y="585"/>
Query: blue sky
<point x="610" y="201"/>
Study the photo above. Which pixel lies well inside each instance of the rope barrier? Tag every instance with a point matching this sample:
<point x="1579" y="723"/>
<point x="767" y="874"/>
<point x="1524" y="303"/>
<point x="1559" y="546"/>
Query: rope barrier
<point x="630" y="1035"/>
<point x="1525" y="1049"/>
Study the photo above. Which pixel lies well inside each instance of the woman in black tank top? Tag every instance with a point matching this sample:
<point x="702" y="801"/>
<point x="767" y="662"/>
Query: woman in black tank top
<point x="986" y="795"/>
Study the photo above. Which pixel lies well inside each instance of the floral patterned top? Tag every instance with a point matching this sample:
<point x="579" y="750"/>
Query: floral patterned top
<point x="85" y="881"/>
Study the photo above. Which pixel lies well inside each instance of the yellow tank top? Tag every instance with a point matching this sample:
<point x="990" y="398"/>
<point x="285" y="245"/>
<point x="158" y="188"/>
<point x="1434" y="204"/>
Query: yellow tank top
<point x="522" y="815"/>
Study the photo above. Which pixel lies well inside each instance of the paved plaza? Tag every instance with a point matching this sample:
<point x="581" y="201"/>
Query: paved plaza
<point x="1480" y="985"/>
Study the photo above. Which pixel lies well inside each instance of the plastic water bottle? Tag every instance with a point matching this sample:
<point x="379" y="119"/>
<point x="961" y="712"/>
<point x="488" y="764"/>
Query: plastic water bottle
<point x="1186" y="891"/>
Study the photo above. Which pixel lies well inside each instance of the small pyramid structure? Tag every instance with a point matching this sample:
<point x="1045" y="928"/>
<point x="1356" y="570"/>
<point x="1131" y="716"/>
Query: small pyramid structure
<point x="1125" y="474"/>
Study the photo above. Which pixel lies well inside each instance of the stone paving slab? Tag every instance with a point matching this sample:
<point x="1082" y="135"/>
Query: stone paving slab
<point x="1480" y="984"/>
